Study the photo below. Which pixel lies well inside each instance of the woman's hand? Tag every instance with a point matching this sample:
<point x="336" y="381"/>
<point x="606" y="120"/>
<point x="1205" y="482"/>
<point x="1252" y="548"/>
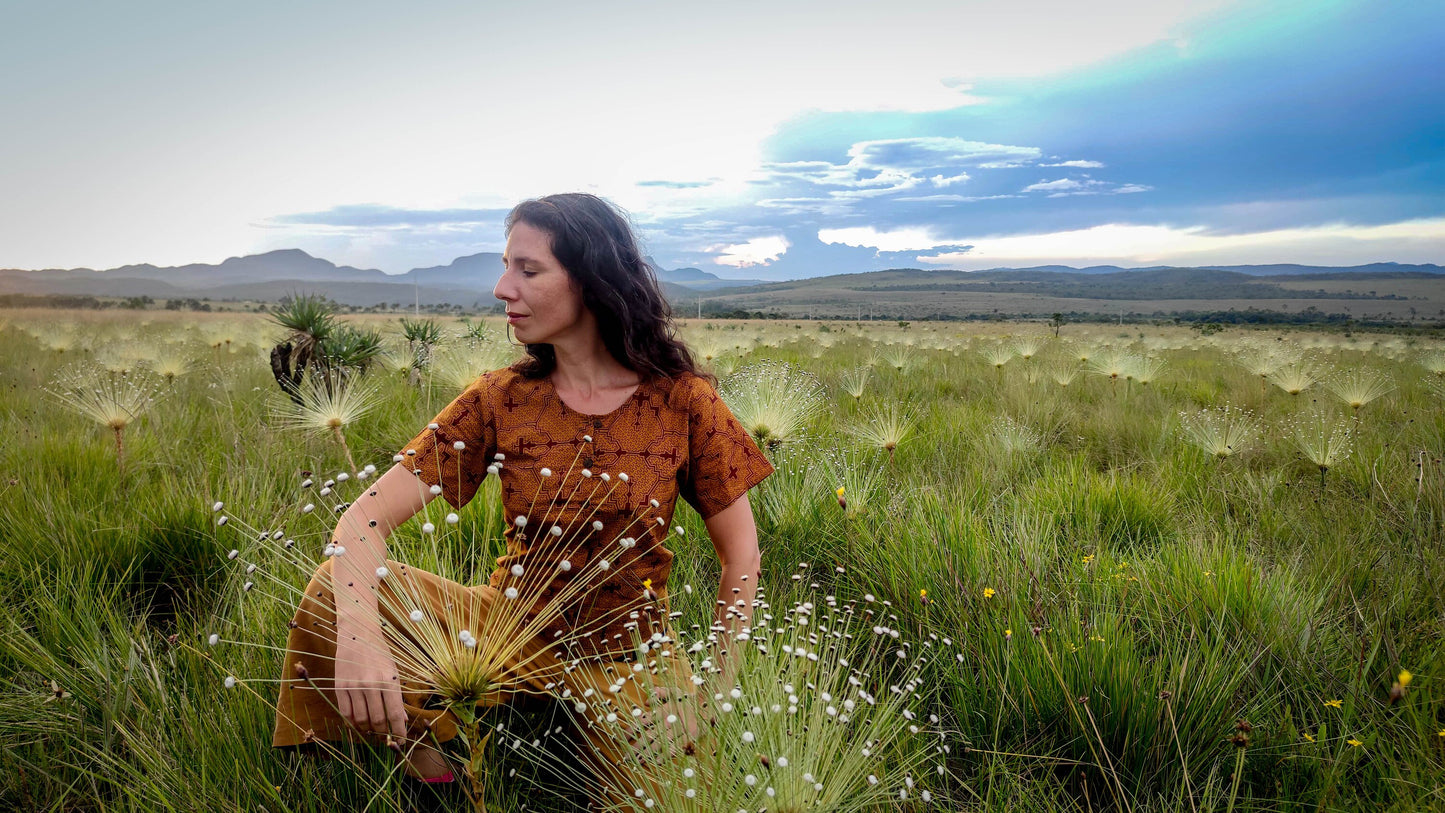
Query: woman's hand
<point x="368" y="688"/>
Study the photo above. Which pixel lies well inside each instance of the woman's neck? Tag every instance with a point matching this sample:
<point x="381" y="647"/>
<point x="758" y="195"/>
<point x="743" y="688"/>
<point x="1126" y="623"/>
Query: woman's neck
<point x="584" y="366"/>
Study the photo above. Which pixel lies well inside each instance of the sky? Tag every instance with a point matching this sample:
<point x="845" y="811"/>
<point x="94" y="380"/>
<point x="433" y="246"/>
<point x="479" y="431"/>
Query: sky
<point x="765" y="140"/>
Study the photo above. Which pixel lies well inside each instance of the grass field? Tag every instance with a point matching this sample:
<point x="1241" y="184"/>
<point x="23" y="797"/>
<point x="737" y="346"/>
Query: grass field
<point x="1135" y="570"/>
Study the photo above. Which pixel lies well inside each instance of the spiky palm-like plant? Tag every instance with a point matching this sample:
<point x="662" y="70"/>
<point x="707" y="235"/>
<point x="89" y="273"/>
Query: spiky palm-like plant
<point x="1220" y="433"/>
<point x="309" y="319"/>
<point x="111" y="400"/>
<point x="774" y="401"/>
<point x="422" y="337"/>
<point x="350" y="350"/>
<point x="1323" y="440"/>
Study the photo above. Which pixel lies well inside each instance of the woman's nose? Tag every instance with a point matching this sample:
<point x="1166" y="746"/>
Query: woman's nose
<point x="503" y="289"/>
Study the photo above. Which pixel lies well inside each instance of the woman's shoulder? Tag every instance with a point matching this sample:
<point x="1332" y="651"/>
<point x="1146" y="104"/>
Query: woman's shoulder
<point x="683" y="389"/>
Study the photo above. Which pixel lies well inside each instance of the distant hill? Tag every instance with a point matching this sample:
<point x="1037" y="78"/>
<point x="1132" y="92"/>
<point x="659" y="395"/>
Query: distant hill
<point x="468" y="281"/>
<point x="700" y="280"/>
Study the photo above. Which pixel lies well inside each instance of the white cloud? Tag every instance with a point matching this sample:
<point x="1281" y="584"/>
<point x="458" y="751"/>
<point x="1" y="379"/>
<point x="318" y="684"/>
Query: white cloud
<point x="907" y="238"/>
<point x="1132" y="244"/>
<point x="1066" y="187"/>
<point x="1077" y="164"/>
<point x="1062" y="184"/>
<point x="757" y="251"/>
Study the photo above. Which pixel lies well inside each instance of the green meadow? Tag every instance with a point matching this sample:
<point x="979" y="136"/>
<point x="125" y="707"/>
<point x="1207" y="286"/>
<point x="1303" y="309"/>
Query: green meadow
<point x="1139" y="568"/>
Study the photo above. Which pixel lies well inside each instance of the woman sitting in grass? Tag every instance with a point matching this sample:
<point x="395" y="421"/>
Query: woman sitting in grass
<point x="594" y="435"/>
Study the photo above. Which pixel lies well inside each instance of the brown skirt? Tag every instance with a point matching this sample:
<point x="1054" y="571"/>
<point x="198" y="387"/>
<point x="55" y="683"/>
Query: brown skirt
<point x="429" y="653"/>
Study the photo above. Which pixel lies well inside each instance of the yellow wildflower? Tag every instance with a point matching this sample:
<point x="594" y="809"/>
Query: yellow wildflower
<point x="1334" y="704"/>
<point x="1308" y="736"/>
<point x="1405" y="677"/>
<point x="1356" y="743"/>
<point x="840" y="492"/>
<point x="1088" y="559"/>
<point x="988" y="592"/>
<point x="1008" y="633"/>
<point x="647" y="583"/>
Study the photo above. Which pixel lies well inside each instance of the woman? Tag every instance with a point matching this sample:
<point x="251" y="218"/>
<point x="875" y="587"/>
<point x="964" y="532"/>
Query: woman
<point x="606" y="394"/>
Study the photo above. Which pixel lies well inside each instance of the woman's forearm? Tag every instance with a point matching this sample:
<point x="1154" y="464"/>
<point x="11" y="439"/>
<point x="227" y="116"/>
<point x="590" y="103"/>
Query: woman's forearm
<point x="737" y="589"/>
<point x="360" y="539"/>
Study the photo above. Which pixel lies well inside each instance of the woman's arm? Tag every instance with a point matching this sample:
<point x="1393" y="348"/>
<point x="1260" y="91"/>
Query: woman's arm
<point x="735" y="538"/>
<point x="368" y="692"/>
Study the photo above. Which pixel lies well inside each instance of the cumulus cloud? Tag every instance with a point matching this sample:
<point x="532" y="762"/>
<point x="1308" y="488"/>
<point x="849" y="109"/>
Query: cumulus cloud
<point x="1129" y="243"/>
<point x="889" y="166"/>
<point x="1066" y="187"/>
<point x="1061" y="185"/>
<point x="754" y="252"/>
<point x="907" y="238"/>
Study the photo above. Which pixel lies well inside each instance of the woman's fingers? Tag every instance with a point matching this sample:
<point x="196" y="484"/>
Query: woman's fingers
<point x="343" y="706"/>
<point x="395" y="710"/>
<point x="376" y="712"/>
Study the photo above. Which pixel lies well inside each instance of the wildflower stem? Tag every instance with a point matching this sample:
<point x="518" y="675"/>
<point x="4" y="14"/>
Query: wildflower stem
<point x="120" y="449"/>
<point x="1238" y="771"/>
<point x="341" y="439"/>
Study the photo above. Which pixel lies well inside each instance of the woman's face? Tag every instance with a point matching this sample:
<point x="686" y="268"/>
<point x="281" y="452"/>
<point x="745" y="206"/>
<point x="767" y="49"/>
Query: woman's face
<point x="544" y="305"/>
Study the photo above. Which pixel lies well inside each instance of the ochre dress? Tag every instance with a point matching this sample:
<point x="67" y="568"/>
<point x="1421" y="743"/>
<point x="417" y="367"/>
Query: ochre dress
<point x="608" y="483"/>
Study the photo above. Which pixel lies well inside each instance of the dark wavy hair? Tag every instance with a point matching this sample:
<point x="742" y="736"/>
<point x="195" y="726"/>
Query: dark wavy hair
<point x="594" y="241"/>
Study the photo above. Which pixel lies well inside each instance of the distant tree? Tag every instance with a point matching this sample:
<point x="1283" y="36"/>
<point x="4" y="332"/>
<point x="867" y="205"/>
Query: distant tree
<point x="1057" y="321"/>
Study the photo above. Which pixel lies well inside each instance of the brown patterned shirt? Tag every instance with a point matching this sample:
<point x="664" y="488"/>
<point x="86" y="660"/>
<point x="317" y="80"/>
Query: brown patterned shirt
<point x="672" y="437"/>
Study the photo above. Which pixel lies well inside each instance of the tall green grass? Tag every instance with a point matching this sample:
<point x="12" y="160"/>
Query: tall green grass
<point x="1119" y="599"/>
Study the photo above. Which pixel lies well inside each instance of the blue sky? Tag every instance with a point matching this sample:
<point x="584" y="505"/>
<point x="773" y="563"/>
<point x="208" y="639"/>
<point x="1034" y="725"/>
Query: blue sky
<point x="757" y="140"/>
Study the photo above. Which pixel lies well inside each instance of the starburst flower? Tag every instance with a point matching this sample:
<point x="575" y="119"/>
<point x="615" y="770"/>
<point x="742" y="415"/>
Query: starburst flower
<point x="1295" y="378"/>
<point x="1323" y="441"/>
<point x="328" y="410"/>
<point x="774" y="401"/>
<point x="1063" y="374"/>
<point x="884" y="427"/>
<point x="1359" y="386"/>
<point x="113" y="401"/>
<point x="1220" y="433"/>
<point x="854" y="382"/>
<point x="998" y="354"/>
<point x="816" y="712"/>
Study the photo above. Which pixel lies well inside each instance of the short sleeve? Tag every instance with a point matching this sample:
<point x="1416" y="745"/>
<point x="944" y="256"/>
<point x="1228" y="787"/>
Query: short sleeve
<point x="454" y="450"/>
<point x="723" y="461"/>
